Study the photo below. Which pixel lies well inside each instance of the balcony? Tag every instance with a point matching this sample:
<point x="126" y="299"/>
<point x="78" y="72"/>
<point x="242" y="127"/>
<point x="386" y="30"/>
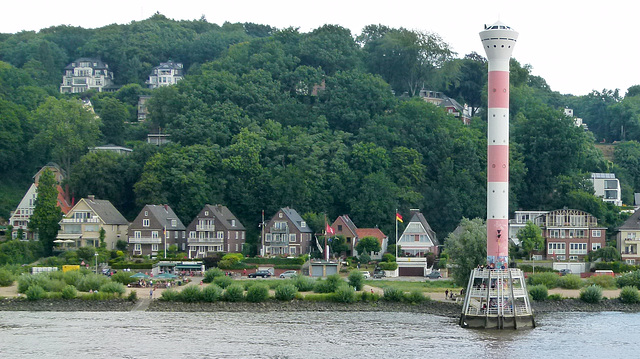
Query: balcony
<point x="81" y="220"/>
<point x="206" y="240"/>
<point x="279" y="229"/>
<point x="145" y="240"/>
<point x="203" y="228"/>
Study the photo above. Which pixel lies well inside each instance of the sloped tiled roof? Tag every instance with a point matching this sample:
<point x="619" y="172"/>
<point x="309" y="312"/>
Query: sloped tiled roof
<point x="419" y="217"/>
<point x="294" y="217"/>
<point x="106" y="211"/>
<point x="632" y="223"/>
<point x="352" y="227"/>
<point x="371" y="232"/>
<point x="225" y="216"/>
<point x="164" y="215"/>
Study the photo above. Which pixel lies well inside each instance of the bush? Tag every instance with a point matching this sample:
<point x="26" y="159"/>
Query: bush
<point x="388" y="265"/>
<point x="133" y="296"/>
<point x="35" y="292"/>
<point x="629" y="295"/>
<point x="591" y="294"/>
<point x="97" y="296"/>
<point x="345" y="294"/>
<point x="212" y="274"/>
<point x="539" y="292"/>
<point x="191" y="294"/>
<point x="234" y="293"/>
<point x="329" y="285"/>
<point x="629" y="279"/>
<point x="369" y="297"/>
<point x="388" y="257"/>
<point x="603" y="281"/>
<point x="223" y="282"/>
<point x="415" y="297"/>
<point x="548" y="279"/>
<point x="69" y="292"/>
<point x="123" y="277"/>
<point x="304" y="284"/>
<point x="392" y="294"/>
<point x="54" y="285"/>
<point x="27" y="280"/>
<point x="211" y="293"/>
<point x="72" y="277"/>
<point x="286" y="292"/>
<point x="322" y="297"/>
<point x="258" y="293"/>
<point x="356" y="279"/>
<point x="529" y="269"/>
<point x="170" y="295"/>
<point x="113" y="287"/>
<point x="91" y="282"/>
<point x="555" y="296"/>
<point x="570" y="281"/>
<point x="6" y="278"/>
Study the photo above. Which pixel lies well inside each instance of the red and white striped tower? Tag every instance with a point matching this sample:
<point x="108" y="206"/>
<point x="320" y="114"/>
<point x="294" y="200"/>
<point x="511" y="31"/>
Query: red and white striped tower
<point x="498" y="41"/>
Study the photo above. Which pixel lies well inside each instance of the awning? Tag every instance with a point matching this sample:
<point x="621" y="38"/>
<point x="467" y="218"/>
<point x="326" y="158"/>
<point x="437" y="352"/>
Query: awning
<point x="189" y="266"/>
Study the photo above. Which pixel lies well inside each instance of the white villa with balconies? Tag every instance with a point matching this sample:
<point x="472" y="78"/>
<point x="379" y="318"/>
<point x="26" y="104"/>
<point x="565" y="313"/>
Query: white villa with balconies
<point x="82" y="224"/>
<point x="86" y="74"/>
<point x="168" y="73"/>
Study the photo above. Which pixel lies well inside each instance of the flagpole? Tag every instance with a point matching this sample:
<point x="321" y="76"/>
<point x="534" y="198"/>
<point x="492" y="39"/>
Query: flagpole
<point x="165" y="241"/>
<point x="262" y="235"/>
<point x="395" y="219"/>
<point x="326" y="255"/>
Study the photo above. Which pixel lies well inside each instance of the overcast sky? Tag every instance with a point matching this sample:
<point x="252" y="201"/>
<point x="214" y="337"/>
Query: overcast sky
<point x="576" y="46"/>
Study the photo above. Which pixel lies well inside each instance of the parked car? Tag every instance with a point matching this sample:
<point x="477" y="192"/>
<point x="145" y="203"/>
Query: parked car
<point x="434" y="275"/>
<point x="260" y="273"/>
<point x="288" y="274"/>
<point x="564" y="271"/>
<point x="379" y="274"/>
<point x="366" y="274"/>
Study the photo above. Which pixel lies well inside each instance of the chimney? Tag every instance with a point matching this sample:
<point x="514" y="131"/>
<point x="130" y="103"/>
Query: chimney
<point x="166" y="208"/>
<point x="91" y="197"/>
<point x="413" y="211"/>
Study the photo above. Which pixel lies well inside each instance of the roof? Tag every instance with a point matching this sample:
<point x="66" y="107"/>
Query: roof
<point x="371" y="232"/>
<point x="352" y="227"/>
<point x="603" y="175"/>
<point x="419" y="217"/>
<point x="296" y="219"/>
<point x="106" y="211"/>
<point x="632" y="223"/>
<point x="164" y="214"/>
<point x="98" y="62"/>
<point x="225" y="216"/>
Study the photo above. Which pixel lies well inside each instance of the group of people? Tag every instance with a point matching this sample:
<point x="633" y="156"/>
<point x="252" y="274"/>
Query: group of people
<point x="448" y="294"/>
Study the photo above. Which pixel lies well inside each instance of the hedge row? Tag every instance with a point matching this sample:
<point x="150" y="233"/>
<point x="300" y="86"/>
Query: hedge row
<point x="276" y="261"/>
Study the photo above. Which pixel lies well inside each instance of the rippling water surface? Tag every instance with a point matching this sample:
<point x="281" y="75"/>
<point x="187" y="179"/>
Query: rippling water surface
<point x="307" y="335"/>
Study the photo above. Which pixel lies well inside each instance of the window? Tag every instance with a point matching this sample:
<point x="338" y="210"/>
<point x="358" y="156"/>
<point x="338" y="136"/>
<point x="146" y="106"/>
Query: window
<point x="292" y="250"/>
<point x="174" y="223"/>
<point x="206" y="213"/>
<point x="292" y="237"/>
<point x="303" y="224"/>
<point x="233" y="223"/>
<point x="236" y="247"/>
<point x="192" y="235"/>
<point x="243" y="235"/>
<point x="556" y="248"/>
<point x="554" y="233"/>
<point x="146" y="213"/>
<point x="154" y="247"/>
<point x="339" y="227"/>
<point x="573" y="258"/>
<point x="267" y="237"/>
<point x="220" y="235"/>
<point x="145" y="222"/>
<point x="280" y="215"/>
<point x="137" y="234"/>
<point x="596" y="233"/>
<point x="595" y="246"/>
<point x="577" y="248"/>
<point x="236" y="234"/>
<point x="137" y="247"/>
<point x="154" y="234"/>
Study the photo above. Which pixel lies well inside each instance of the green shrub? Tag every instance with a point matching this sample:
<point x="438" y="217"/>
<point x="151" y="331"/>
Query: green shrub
<point x="234" y="293"/>
<point x="212" y="274"/>
<point x="223" y="282"/>
<point x="123" y="277"/>
<point x="356" y="279"/>
<point x="54" y="295"/>
<point x="133" y="296"/>
<point x="211" y="293"/>
<point x="329" y="285"/>
<point x="258" y="293"/>
<point x="286" y="292"/>
<point x="570" y="281"/>
<point x="629" y="295"/>
<point x="27" y="280"/>
<point x="304" y="284"/>
<point x="54" y="285"/>
<point x="170" y="295"/>
<point x="322" y="297"/>
<point x="591" y="294"/>
<point x="603" y="281"/>
<point x="629" y="279"/>
<point x="35" y="292"/>
<point x="548" y="279"/>
<point x="97" y="296"/>
<point x="388" y="265"/>
<point x="555" y="296"/>
<point x="59" y="275"/>
<point x="113" y="287"/>
<point x="72" y="277"/>
<point x="191" y="294"/>
<point x="91" y="282"/>
<point x="539" y="292"/>
<point x="6" y="278"/>
<point x="388" y="257"/>
<point x="415" y="297"/>
<point x="392" y="294"/>
<point x="344" y="294"/>
<point x="529" y="269"/>
<point x="369" y="297"/>
<point x="69" y="292"/>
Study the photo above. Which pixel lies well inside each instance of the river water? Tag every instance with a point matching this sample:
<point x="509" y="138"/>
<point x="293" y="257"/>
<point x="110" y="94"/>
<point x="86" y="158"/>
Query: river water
<point x="308" y="335"/>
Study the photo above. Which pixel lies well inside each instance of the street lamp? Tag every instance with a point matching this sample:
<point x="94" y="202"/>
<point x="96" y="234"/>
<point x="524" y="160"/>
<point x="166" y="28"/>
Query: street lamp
<point x="96" y="255"/>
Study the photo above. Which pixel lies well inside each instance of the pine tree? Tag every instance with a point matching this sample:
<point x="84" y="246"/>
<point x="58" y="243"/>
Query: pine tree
<point x="46" y="215"/>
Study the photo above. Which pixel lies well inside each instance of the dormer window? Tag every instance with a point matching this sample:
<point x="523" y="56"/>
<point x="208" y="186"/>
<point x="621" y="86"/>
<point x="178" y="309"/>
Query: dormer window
<point x="280" y="215"/>
<point x="145" y="222"/>
<point x="174" y="223"/>
<point x="233" y="223"/>
<point x="146" y="213"/>
<point x="303" y="224"/>
<point x="206" y="213"/>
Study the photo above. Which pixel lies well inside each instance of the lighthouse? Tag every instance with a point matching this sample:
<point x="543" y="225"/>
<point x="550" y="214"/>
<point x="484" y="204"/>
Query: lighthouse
<point x="496" y="296"/>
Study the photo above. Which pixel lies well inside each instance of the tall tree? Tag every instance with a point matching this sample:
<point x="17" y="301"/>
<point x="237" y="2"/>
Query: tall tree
<point x="46" y="214"/>
<point x="467" y="248"/>
<point x="530" y="238"/>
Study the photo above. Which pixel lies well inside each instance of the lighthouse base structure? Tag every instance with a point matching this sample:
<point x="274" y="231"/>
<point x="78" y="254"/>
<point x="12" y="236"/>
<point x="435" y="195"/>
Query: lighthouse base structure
<point x="497" y="298"/>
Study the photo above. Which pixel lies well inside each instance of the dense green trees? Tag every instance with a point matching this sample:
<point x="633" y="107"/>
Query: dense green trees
<point x="46" y="214"/>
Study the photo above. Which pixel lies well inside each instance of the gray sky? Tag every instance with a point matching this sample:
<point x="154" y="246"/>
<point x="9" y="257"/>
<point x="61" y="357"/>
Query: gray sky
<point x="577" y="46"/>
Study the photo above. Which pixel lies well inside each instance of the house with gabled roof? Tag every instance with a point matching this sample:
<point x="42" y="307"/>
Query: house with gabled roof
<point x="344" y="226"/>
<point x="215" y="229"/>
<point x="82" y="224"/>
<point x="155" y="228"/>
<point x="286" y="233"/>
<point x="628" y="239"/>
<point x="418" y="238"/>
<point x="377" y="234"/>
<point x="19" y="218"/>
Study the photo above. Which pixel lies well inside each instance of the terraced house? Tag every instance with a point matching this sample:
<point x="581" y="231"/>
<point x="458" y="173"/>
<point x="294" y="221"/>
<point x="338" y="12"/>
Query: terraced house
<point x="286" y="234"/>
<point x="628" y="239"/>
<point x="155" y="228"/>
<point x="215" y="229"/>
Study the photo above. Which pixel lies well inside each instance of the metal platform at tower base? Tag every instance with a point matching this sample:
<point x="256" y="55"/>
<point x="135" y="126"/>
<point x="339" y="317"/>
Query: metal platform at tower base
<point x="497" y="299"/>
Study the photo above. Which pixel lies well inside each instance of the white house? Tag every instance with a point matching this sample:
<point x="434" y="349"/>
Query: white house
<point x="86" y="74"/>
<point x="607" y="186"/>
<point x="167" y="74"/>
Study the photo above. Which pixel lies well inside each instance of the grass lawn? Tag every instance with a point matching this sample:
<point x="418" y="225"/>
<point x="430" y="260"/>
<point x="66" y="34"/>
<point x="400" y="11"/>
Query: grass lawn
<point x="428" y="286"/>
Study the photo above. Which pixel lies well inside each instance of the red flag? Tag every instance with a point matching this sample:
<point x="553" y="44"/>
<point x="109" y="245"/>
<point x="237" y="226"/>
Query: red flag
<point x="399" y="217"/>
<point x="330" y="230"/>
